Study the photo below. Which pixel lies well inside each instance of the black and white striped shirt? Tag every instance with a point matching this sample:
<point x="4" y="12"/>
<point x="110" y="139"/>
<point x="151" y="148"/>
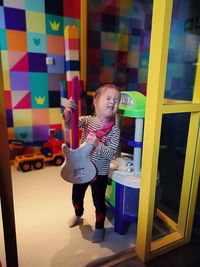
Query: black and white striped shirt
<point x="109" y="143"/>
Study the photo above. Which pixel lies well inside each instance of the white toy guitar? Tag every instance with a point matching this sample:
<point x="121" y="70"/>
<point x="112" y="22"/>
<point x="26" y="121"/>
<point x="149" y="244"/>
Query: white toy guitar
<point x="77" y="167"/>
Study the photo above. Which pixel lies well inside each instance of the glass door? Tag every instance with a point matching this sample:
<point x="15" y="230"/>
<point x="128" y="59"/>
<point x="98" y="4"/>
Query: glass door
<point x="170" y="158"/>
<point x="170" y="161"/>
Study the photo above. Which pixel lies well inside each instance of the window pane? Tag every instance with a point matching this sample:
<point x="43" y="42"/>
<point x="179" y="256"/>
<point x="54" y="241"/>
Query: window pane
<point x="183" y="49"/>
<point x="118" y="43"/>
<point x="171" y="161"/>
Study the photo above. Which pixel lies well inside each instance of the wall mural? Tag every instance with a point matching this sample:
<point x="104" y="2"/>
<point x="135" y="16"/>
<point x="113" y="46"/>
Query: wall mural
<point x="31" y="31"/>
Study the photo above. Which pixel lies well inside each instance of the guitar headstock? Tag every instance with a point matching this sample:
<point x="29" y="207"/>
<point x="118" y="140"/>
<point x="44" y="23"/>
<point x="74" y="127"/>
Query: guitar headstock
<point x="76" y="88"/>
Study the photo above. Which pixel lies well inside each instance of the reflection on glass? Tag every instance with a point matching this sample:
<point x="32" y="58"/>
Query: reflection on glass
<point x="183" y="50"/>
<point x="173" y="143"/>
<point x="118" y="43"/>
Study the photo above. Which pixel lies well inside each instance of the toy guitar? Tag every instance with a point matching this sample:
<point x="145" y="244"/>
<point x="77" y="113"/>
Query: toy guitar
<point x="77" y="167"/>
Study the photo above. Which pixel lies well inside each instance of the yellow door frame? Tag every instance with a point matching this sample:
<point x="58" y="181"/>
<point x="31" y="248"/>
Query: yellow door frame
<point x="156" y="106"/>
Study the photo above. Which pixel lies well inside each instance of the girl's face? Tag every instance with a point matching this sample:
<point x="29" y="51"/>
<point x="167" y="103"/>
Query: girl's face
<point x="107" y="103"/>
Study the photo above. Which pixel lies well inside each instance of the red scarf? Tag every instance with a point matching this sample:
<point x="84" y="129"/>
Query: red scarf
<point x="104" y="129"/>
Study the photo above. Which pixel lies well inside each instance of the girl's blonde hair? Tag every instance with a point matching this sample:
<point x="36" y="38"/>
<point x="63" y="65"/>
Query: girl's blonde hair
<point x="105" y="87"/>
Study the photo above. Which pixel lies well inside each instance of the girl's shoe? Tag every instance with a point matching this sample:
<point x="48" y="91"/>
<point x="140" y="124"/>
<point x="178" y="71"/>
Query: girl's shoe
<point x="74" y="220"/>
<point x="98" y="235"/>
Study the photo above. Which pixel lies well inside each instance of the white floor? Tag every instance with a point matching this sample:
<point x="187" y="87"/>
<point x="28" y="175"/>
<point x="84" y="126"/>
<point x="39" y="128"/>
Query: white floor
<point x="43" y="206"/>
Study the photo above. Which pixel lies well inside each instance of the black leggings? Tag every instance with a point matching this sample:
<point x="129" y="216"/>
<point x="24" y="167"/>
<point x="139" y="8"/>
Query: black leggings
<point x="98" y="187"/>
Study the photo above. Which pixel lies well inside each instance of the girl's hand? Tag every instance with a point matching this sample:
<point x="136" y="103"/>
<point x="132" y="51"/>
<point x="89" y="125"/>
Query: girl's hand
<point x="70" y="105"/>
<point x="93" y="140"/>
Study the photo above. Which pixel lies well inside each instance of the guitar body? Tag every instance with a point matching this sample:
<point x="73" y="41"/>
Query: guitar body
<point x="77" y="167"/>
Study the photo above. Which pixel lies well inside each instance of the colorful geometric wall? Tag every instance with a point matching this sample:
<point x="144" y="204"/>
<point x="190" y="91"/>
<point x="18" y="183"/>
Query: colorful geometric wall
<point x="118" y="51"/>
<point x="30" y="31"/>
<point x="119" y="42"/>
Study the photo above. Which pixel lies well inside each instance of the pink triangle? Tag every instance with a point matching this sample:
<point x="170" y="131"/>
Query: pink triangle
<point x="22" y="64"/>
<point x="14" y="57"/>
<point x="25" y="102"/>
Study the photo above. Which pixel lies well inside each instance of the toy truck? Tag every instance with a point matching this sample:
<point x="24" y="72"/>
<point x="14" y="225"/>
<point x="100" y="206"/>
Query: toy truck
<point x="28" y="162"/>
<point x="51" y="153"/>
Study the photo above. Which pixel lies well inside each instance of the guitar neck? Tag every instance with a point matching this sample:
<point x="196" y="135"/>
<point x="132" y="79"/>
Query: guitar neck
<point x="75" y="130"/>
<point x="72" y="72"/>
<point x="76" y="91"/>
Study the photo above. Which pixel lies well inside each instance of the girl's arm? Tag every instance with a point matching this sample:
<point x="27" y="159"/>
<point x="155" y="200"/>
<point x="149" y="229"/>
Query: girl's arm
<point x="83" y="120"/>
<point x="70" y="105"/>
<point x="108" y="151"/>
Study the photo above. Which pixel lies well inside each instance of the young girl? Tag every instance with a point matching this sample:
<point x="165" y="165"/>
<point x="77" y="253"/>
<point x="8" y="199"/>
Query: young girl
<point x="100" y="131"/>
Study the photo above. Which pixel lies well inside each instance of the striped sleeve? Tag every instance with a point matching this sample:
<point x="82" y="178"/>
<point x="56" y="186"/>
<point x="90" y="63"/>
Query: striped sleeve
<point x="83" y="120"/>
<point x="109" y="150"/>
